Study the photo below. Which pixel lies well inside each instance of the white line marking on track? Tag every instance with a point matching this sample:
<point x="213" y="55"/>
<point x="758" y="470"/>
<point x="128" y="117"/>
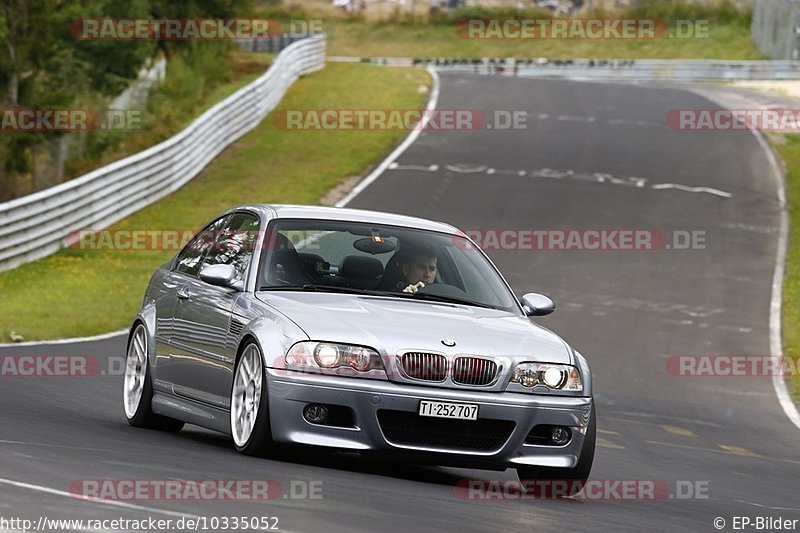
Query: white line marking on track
<point x="79" y="497"/>
<point x="428" y="168"/>
<point x="680" y="187"/>
<point x="465" y="169"/>
<point x="775" y="340"/>
<point x="73" y="340"/>
<point x="749" y="227"/>
<point x="596" y="177"/>
<point x="570" y="118"/>
<point x="47" y="445"/>
<point x="381" y="168"/>
<point x="771" y="508"/>
<point x="99" y="501"/>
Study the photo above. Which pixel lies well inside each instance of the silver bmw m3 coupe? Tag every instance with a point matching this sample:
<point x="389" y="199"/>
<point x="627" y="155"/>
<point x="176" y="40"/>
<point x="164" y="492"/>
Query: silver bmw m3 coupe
<point x="362" y="331"/>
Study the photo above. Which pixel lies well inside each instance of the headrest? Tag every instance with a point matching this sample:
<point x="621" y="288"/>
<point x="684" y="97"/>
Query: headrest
<point x="313" y="264"/>
<point x="282" y="244"/>
<point x="361" y="267"/>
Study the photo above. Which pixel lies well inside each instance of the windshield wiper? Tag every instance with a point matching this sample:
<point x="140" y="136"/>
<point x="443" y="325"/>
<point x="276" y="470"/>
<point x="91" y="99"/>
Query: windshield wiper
<point x="447" y="299"/>
<point x="352" y="290"/>
<point x="320" y="288"/>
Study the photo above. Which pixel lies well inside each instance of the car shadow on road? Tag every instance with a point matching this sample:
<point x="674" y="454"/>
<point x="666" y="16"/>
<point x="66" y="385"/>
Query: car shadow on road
<point x="334" y="459"/>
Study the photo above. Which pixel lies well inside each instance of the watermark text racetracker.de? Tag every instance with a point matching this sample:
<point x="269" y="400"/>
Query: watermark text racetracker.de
<point x="489" y="239"/>
<point x="400" y="119"/>
<point x="144" y="240"/>
<point x="584" y="239"/>
<point x="136" y="239"/>
<point x="195" y="489"/>
<point x="779" y="120"/>
<point x="733" y="365"/>
<point x="43" y="120"/>
<point x="580" y="29"/>
<point x="591" y="489"/>
<point x="60" y="366"/>
<point x="163" y="29"/>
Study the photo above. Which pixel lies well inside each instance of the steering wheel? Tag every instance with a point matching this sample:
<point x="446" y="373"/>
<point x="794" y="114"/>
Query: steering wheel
<point x="443" y="289"/>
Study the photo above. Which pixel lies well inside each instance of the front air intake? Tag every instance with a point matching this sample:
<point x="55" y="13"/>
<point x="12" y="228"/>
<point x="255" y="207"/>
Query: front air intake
<point x="474" y="371"/>
<point x="424" y="366"/>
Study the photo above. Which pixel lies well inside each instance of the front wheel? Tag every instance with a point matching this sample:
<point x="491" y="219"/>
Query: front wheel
<point x="574" y="477"/>
<point x="250" y="425"/>
<point x="137" y="394"/>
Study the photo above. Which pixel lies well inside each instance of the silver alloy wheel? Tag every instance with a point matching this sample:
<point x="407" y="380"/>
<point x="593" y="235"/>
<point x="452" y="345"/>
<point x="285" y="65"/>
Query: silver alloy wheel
<point x="135" y="371"/>
<point x="246" y="395"/>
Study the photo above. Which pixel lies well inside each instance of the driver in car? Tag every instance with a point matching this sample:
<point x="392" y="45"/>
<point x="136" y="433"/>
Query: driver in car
<point x="419" y="269"/>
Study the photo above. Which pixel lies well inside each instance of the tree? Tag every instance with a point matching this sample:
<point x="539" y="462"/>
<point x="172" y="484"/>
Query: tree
<point x="44" y="66"/>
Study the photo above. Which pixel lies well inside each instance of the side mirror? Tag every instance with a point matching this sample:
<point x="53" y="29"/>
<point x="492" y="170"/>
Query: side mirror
<point x="536" y="304"/>
<point x="220" y="276"/>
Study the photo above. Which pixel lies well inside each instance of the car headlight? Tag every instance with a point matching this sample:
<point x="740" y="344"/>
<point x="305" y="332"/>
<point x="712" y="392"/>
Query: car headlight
<point x="556" y="377"/>
<point x="329" y="355"/>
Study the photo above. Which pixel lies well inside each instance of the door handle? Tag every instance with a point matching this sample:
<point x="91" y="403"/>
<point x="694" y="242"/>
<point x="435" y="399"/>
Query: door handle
<point x="183" y="294"/>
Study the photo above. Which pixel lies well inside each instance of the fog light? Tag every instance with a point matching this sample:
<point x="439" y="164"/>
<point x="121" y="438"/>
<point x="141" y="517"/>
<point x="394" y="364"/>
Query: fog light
<point x="315" y="413"/>
<point x="560" y="436"/>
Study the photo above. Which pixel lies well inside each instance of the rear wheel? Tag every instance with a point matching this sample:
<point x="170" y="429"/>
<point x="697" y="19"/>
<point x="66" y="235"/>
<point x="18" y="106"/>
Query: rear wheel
<point x="137" y="394"/>
<point x="250" y="425"/>
<point x="574" y="477"/>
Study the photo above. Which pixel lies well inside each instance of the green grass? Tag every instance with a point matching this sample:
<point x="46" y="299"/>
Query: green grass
<point x="355" y="38"/>
<point x="84" y="292"/>
<point x="788" y="147"/>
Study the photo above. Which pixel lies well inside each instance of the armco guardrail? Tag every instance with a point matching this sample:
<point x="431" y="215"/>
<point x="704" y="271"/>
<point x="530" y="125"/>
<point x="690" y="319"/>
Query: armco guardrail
<point x="660" y="69"/>
<point x="273" y="43"/>
<point x="776" y="28"/>
<point x="604" y="69"/>
<point x="38" y="225"/>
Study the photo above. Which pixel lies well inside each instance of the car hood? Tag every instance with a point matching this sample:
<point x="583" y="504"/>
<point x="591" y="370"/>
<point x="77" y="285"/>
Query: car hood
<point x="392" y="325"/>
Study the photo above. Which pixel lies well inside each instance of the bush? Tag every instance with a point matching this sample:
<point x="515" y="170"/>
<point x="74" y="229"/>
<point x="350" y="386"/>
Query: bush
<point x="483" y="12"/>
<point x="283" y="13"/>
<point x="191" y="75"/>
<point x="194" y="70"/>
<point x="398" y="16"/>
<point x="720" y="11"/>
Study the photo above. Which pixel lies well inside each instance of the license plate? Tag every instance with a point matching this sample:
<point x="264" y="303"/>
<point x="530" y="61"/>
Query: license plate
<point x="459" y="411"/>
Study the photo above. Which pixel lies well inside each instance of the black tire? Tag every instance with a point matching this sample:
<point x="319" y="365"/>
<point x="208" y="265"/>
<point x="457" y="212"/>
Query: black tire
<point x="575" y="477"/>
<point x="144" y="417"/>
<point x="259" y="443"/>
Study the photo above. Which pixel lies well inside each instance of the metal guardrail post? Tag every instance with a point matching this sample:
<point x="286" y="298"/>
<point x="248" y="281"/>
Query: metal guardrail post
<point x="775" y="27"/>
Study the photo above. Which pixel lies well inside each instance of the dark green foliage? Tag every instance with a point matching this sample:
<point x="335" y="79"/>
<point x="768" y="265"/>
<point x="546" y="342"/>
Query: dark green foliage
<point x="43" y="65"/>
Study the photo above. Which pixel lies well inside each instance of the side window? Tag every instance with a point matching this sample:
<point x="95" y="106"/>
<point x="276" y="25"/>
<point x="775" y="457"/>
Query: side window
<point x="192" y="254"/>
<point x="234" y="244"/>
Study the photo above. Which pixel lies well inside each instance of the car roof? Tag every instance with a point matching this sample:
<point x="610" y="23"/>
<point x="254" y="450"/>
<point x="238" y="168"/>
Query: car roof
<point x="281" y="211"/>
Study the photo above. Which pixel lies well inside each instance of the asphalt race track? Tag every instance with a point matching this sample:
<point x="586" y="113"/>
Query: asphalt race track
<point x="593" y="156"/>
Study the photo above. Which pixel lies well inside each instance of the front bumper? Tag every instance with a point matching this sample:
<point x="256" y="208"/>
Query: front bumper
<point x="289" y="395"/>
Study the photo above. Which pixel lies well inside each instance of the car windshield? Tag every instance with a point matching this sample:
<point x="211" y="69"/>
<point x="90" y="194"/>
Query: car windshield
<point x="360" y="258"/>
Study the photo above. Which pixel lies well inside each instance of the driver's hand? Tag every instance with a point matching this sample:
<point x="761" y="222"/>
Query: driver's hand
<point x="415" y="287"/>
